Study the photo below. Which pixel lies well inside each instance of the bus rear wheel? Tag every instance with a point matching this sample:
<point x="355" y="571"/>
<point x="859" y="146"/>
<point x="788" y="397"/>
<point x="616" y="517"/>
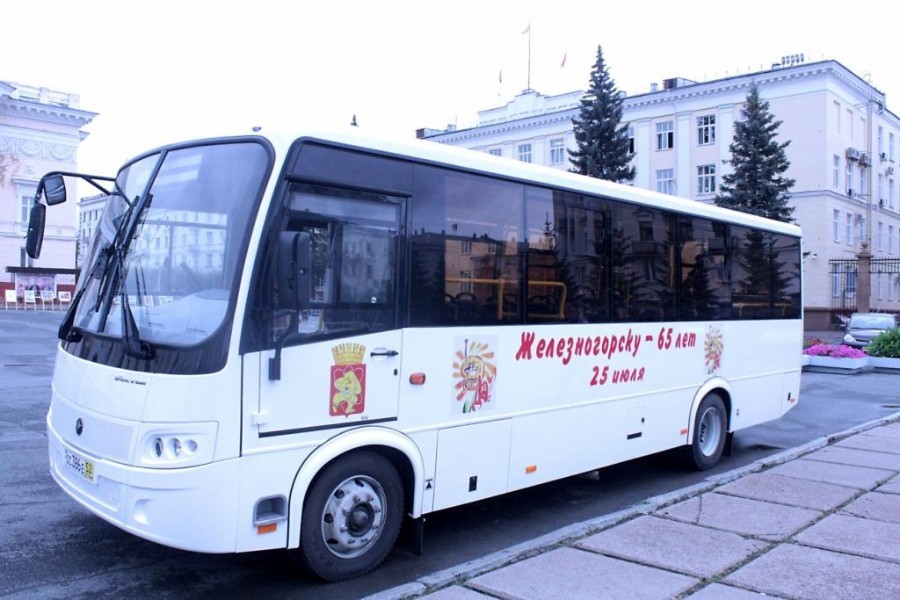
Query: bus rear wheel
<point x="710" y="432"/>
<point x="351" y="517"/>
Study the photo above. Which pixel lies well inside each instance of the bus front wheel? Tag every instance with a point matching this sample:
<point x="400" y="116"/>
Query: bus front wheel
<point x="710" y="432"/>
<point x="351" y="517"/>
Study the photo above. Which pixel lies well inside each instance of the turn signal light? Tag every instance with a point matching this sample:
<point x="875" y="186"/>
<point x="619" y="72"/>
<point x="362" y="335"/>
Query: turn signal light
<point x="268" y="528"/>
<point x="417" y="378"/>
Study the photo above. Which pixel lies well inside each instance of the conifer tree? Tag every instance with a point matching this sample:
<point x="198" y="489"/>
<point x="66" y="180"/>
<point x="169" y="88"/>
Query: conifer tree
<point x="602" y="140"/>
<point x="757" y="185"/>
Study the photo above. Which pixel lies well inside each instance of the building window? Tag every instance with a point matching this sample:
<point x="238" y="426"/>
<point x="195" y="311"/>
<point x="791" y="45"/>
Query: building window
<point x="495" y="152"/>
<point x="863" y="178"/>
<point x="665" y="135"/>
<point x="25" y="202"/>
<point x="891" y="192"/>
<point x="891" y="147"/>
<point x="836" y="226"/>
<point x="557" y="151"/>
<point x="848" y="230"/>
<point x="849" y="179"/>
<point x="836" y="176"/>
<point x="525" y="152"/>
<point x="881" y="140"/>
<point x="880" y="238"/>
<point x="665" y="181"/>
<point x="706" y="179"/>
<point x="631" y="139"/>
<point x="890" y="239"/>
<point x="706" y="130"/>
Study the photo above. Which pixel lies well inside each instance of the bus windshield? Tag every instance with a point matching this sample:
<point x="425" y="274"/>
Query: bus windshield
<point x="170" y="253"/>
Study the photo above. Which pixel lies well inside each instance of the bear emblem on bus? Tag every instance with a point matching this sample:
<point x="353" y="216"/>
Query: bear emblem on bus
<point x="348" y="380"/>
<point x="474" y="372"/>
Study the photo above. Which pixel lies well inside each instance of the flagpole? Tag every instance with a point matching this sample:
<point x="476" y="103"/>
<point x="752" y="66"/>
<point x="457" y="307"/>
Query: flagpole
<point x="529" y="56"/>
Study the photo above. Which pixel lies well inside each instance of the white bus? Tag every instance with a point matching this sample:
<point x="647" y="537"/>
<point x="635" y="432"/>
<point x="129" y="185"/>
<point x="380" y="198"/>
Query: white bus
<point x="305" y="342"/>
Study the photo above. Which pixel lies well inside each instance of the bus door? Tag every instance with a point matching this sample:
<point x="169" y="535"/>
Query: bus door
<point x="340" y="361"/>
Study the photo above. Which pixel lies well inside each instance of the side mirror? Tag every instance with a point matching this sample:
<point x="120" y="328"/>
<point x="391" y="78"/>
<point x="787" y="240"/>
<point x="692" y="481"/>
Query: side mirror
<point x="54" y="190"/>
<point x="35" y="238"/>
<point x="293" y="270"/>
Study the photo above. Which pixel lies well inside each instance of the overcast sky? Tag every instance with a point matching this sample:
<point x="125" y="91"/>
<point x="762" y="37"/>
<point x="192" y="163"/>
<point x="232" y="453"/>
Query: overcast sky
<point x="166" y="70"/>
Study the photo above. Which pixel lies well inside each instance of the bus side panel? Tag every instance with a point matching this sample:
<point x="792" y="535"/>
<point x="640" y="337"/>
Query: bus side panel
<point x="762" y="363"/>
<point x="472" y="463"/>
<point x="595" y="436"/>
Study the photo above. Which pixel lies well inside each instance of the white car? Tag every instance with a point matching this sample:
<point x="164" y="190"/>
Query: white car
<point x="862" y="328"/>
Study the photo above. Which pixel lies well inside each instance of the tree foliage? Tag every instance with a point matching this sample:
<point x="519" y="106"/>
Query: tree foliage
<point x="603" y="148"/>
<point x="757" y="185"/>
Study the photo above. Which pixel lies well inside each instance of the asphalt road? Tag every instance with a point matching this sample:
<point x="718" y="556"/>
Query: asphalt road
<point x="52" y="548"/>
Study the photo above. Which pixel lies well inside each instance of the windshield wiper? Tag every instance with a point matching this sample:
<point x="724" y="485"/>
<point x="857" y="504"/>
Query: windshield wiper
<point x="134" y="345"/>
<point x="67" y="330"/>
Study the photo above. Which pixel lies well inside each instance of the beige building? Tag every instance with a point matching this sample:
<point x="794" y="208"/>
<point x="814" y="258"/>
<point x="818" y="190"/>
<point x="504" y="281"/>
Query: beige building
<point x="40" y="131"/>
<point x="843" y="152"/>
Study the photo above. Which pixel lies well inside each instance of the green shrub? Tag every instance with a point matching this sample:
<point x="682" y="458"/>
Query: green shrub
<point x="886" y="345"/>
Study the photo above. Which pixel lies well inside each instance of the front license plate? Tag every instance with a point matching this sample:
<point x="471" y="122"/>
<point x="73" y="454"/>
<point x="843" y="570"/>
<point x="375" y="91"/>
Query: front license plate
<point x="80" y="465"/>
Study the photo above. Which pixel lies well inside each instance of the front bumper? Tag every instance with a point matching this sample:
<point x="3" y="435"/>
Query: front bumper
<point x="192" y="508"/>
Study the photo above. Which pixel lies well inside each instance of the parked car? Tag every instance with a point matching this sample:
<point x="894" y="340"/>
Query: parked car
<point x="862" y="328"/>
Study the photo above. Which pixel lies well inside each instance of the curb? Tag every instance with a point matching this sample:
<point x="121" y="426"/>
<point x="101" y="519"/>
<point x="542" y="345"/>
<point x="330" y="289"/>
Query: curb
<point x="440" y="579"/>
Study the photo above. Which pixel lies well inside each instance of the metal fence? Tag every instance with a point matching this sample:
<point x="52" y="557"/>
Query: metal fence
<point x="845" y="281"/>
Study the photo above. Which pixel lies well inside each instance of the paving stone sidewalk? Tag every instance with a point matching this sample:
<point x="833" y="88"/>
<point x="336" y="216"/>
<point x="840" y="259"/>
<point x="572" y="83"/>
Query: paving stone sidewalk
<point x="819" y="521"/>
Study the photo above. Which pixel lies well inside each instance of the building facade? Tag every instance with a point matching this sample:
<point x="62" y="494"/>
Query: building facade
<point x="90" y="211"/>
<point x="844" y="151"/>
<point x="40" y="131"/>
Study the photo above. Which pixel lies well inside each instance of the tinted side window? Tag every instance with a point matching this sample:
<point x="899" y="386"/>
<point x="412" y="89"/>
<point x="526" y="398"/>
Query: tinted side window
<point x="766" y="275"/>
<point x="644" y="268"/>
<point x="704" y="286"/>
<point x="354" y="265"/>
<point x="568" y="258"/>
<point x="466" y="249"/>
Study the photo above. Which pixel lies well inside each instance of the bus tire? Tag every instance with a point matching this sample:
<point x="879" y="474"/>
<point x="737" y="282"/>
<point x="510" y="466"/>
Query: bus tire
<point x="351" y="516"/>
<point x="710" y="433"/>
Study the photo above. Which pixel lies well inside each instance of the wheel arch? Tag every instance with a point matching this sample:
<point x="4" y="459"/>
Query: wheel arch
<point x="393" y="445"/>
<point x="715" y="385"/>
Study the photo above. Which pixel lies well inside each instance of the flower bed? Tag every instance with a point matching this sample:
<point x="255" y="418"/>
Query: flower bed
<point x="839" y="351"/>
<point x="831" y="358"/>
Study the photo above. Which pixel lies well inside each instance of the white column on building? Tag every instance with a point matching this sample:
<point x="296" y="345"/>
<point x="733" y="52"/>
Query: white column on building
<point x="643" y="148"/>
<point x="684" y="182"/>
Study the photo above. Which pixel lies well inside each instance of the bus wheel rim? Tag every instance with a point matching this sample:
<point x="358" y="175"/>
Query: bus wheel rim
<point x="710" y="431"/>
<point x="353" y="516"/>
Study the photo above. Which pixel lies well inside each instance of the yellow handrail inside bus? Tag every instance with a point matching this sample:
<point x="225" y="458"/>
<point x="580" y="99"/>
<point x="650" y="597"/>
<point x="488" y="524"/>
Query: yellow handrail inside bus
<point x="559" y="314"/>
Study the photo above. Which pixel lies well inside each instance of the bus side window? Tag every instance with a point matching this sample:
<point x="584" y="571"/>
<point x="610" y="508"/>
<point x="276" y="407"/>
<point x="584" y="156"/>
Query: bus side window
<point x="354" y="248"/>
<point x="466" y="260"/>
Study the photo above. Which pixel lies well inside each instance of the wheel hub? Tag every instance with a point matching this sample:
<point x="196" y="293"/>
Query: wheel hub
<point x="353" y="516"/>
<point x="710" y="431"/>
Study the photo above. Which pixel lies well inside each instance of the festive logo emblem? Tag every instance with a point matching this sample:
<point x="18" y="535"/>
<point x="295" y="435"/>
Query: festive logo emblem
<point x="348" y="380"/>
<point x="474" y="372"/>
<point x="713" y="349"/>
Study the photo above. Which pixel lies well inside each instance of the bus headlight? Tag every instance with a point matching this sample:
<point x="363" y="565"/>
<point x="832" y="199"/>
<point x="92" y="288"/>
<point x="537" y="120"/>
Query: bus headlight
<point x="175" y="446"/>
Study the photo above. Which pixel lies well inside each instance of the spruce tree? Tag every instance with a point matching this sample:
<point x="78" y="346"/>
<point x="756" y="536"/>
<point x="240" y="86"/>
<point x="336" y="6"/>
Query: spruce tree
<point x="602" y="139"/>
<point x="757" y="185"/>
